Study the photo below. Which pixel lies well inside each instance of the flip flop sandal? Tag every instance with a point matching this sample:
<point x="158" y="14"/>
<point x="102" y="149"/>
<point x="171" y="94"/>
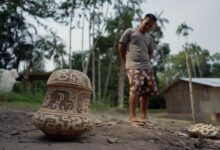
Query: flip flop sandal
<point x="137" y="123"/>
<point x="146" y="122"/>
<point x="149" y="124"/>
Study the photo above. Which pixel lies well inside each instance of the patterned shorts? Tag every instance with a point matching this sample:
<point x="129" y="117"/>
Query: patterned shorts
<point x="142" y="82"/>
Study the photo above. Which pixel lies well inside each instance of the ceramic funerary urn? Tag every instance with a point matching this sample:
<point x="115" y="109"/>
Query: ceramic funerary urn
<point x="65" y="112"/>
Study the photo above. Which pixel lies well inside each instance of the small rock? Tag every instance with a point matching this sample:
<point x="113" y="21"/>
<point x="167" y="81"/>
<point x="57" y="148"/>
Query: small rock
<point x="83" y="141"/>
<point x="201" y="142"/>
<point x="180" y="134"/>
<point x="152" y="141"/>
<point x="4" y="116"/>
<point x="119" y="122"/>
<point x="99" y="124"/>
<point x="216" y="141"/>
<point x="15" y="132"/>
<point x="112" y="140"/>
<point x="111" y="123"/>
<point x="158" y="132"/>
<point x="30" y="115"/>
<point x="95" y="120"/>
<point x="91" y="134"/>
<point x="218" y="136"/>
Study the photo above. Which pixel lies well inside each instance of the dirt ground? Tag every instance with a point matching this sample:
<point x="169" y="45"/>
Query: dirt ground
<point x="114" y="133"/>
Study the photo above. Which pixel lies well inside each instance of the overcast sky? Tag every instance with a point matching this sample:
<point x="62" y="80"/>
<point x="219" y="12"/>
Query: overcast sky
<point x="201" y="15"/>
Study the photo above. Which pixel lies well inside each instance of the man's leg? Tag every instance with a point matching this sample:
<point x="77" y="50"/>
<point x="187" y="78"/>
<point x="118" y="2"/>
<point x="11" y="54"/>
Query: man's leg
<point x="134" y="80"/>
<point x="143" y="107"/>
<point x="132" y="106"/>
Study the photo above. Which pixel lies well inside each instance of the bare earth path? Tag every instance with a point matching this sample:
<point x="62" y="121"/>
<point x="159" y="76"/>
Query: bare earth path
<point x="114" y="133"/>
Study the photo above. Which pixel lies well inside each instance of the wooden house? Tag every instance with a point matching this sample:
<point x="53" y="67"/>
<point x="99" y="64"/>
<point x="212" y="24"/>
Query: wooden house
<point x="206" y="95"/>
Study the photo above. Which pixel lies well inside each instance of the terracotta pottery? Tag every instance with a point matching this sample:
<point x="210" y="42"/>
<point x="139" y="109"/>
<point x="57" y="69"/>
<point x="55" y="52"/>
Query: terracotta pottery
<point x="65" y="112"/>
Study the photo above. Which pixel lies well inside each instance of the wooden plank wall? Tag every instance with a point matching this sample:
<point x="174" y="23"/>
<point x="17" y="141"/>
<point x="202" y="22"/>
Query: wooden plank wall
<point x="178" y="99"/>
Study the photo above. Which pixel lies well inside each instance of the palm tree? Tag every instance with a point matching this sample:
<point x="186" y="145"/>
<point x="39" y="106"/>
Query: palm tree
<point x="184" y="30"/>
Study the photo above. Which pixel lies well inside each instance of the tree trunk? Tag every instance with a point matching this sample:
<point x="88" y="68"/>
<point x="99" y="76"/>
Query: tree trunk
<point x="190" y="85"/>
<point x="121" y="78"/>
<point x="93" y="76"/>
<point x="82" y="44"/>
<point x="109" y="72"/>
<point x="17" y="63"/>
<point x="70" y="33"/>
<point x="90" y="54"/>
<point x="93" y="65"/>
<point x="99" y="77"/>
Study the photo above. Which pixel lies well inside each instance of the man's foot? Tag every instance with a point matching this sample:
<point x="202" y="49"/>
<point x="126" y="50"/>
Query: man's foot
<point x="147" y="123"/>
<point x="133" y="119"/>
<point x="144" y="120"/>
<point x="137" y="123"/>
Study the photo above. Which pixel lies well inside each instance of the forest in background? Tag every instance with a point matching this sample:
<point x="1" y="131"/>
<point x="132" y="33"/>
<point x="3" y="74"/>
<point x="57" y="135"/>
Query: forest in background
<point x="22" y="44"/>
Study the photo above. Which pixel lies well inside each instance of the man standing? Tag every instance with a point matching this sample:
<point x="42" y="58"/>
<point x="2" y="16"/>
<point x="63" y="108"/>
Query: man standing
<point x="136" y="49"/>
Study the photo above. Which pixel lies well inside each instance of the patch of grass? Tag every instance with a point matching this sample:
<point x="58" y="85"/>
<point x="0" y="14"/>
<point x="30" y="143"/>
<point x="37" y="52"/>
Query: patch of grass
<point x="21" y="97"/>
<point x="21" y="105"/>
<point x="100" y="106"/>
<point x="24" y="101"/>
<point x="34" y="100"/>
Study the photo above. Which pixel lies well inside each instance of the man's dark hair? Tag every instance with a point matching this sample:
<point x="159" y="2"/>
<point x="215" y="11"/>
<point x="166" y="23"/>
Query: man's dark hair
<point x="151" y="16"/>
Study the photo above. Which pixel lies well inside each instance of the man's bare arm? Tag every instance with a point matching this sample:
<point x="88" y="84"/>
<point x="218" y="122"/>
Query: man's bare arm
<point x="122" y="51"/>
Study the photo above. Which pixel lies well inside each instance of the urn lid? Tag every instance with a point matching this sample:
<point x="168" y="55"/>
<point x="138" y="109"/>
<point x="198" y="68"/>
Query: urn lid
<point x="69" y="77"/>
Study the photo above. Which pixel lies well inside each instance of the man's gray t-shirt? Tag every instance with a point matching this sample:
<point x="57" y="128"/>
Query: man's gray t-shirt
<point x="139" y="49"/>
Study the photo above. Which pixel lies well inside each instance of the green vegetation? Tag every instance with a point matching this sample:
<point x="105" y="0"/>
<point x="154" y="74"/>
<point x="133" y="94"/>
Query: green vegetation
<point x="33" y="101"/>
<point x="100" y="106"/>
<point x="21" y="105"/>
<point x="24" y="101"/>
<point x="21" y="97"/>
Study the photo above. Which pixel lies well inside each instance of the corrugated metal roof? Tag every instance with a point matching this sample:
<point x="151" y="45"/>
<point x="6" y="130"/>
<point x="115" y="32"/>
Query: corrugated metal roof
<point x="214" y="82"/>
